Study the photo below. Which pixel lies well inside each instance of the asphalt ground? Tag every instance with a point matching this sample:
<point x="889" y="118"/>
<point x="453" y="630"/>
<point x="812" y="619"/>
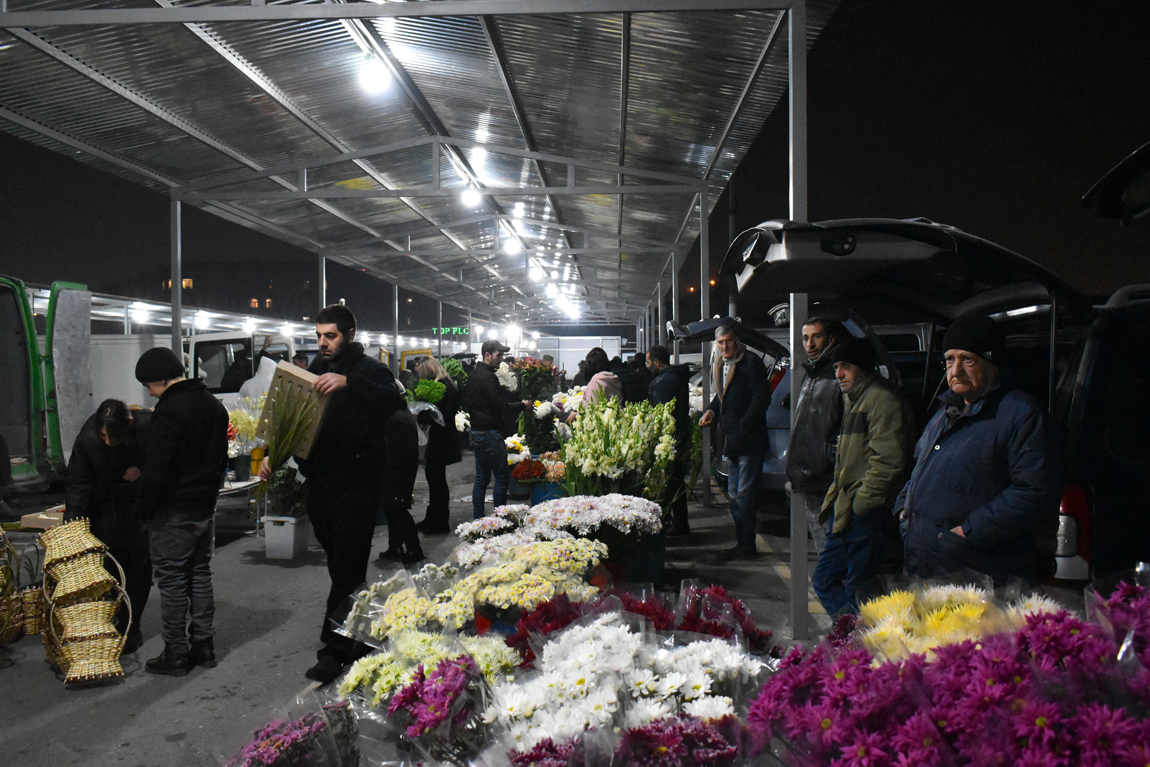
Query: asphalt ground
<point x="267" y="620"/>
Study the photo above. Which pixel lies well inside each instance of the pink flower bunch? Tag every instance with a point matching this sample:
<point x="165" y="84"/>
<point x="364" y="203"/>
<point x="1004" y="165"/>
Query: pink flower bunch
<point x="282" y="743"/>
<point x="680" y="742"/>
<point x="438" y="697"/>
<point x="1050" y="695"/>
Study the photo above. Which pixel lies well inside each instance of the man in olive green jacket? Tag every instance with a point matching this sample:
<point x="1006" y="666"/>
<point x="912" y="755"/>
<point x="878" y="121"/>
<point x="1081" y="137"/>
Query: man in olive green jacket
<point x="871" y="463"/>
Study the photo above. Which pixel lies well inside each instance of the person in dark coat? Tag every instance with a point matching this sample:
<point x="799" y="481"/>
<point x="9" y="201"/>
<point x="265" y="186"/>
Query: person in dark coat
<point x="184" y="467"/>
<point x="742" y="396"/>
<point x="986" y="482"/>
<point x="442" y="450"/>
<point x="397" y="488"/>
<point x="344" y="470"/>
<point x="103" y="470"/>
<point x="811" y="453"/>
<point x="671" y="384"/>
<point x="489" y="404"/>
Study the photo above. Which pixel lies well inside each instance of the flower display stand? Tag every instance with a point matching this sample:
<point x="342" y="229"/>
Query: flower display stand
<point x="546" y="491"/>
<point x="286" y="537"/>
<point x="517" y="491"/>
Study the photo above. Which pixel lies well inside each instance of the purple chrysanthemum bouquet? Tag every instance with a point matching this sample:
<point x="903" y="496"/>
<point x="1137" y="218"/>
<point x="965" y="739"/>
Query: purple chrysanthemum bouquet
<point x="440" y="711"/>
<point x="316" y="739"/>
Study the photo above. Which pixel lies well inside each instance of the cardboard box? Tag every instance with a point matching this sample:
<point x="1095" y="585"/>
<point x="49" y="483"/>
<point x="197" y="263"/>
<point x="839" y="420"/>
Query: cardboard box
<point x="44" y="520"/>
<point x="298" y="382"/>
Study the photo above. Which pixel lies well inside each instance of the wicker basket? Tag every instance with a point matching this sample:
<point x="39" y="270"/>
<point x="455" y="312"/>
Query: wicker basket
<point x="11" y="618"/>
<point x="32" y="600"/>
<point x="82" y="578"/>
<point x="82" y="641"/>
<point x="68" y="541"/>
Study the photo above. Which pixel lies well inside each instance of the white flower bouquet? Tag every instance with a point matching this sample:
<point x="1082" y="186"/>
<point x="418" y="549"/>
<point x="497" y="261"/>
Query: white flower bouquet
<point x="507" y="379"/>
<point x="517" y="449"/>
<point x="617" y="448"/>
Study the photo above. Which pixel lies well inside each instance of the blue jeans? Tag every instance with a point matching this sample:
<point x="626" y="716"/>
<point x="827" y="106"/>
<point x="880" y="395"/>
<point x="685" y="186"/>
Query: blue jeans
<point x="490" y="457"/>
<point x="743" y="474"/>
<point x="850" y="559"/>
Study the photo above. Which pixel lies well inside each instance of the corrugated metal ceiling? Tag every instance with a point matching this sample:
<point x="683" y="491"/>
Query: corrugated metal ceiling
<point x="169" y="105"/>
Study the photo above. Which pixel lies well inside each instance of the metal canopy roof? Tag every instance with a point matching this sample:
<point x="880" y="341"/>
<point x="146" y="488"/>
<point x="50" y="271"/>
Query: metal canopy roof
<point x="593" y="129"/>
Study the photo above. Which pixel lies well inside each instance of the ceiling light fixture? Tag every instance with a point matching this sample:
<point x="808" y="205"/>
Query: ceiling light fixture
<point x="471" y="198"/>
<point x="373" y="75"/>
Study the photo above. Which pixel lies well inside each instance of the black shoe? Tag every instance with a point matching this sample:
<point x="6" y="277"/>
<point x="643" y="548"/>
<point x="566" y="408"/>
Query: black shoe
<point x="738" y="553"/>
<point x="391" y="554"/>
<point x="169" y="663"/>
<point x="203" y="654"/>
<point x="411" y="556"/>
<point x="427" y="528"/>
<point x="326" y="669"/>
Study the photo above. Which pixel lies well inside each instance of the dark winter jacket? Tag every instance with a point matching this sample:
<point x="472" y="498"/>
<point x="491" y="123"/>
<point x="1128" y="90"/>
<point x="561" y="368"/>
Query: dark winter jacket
<point x="672" y="383"/>
<point x="187" y="453"/>
<point x="873" y="454"/>
<point x="811" y="454"/>
<point x="397" y="485"/>
<point x="350" y="444"/>
<point x="443" y="441"/>
<point x="96" y="486"/>
<point x="742" y="408"/>
<point x="995" y="473"/>
<point x="486" y="401"/>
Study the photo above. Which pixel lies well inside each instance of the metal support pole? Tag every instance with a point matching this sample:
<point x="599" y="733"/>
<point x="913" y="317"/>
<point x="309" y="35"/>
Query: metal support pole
<point x="797" y="53"/>
<point x="799" y="606"/>
<point x="321" y="278"/>
<point x="470" y="342"/>
<point x="732" y="284"/>
<point x="177" y="278"/>
<point x="797" y="65"/>
<point x="395" y="339"/>
<point x="439" y="333"/>
<point x="675" y="298"/>
<point x="639" y="336"/>
<point x="704" y="313"/>
<point x="662" y="326"/>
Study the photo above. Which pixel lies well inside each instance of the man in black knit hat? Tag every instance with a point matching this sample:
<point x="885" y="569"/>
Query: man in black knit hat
<point x="187" y="455"/>
<point x="986" y="481"/>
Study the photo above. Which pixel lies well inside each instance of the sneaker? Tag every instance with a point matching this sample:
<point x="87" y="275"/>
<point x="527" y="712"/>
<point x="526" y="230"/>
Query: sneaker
<point x="169" y="663"/>
<point x="203" y="654"/>
<point x="326" y="669"/>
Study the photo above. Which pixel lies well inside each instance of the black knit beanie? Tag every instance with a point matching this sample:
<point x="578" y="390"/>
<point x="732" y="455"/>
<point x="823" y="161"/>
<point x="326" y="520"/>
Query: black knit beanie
<point x="158" y="364"/>
<point x="978" y="334"/>
<point x="857" y="351"/>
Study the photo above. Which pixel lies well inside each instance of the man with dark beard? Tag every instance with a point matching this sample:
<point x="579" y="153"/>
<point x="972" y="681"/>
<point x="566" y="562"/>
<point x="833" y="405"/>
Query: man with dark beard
<point x="345" y="469"/>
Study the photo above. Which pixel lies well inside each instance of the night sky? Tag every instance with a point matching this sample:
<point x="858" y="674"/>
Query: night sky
<point x="994" y="117"/>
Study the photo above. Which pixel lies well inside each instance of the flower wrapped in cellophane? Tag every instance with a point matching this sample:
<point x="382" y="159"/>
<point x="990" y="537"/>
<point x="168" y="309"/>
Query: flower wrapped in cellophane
<point x="517" y="449"/>
<point x="324" y="738"/>
<point x="439" y="710"/>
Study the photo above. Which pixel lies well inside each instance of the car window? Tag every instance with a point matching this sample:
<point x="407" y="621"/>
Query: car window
<point x="1128" y="407"/>
<point x="224" y="365"/>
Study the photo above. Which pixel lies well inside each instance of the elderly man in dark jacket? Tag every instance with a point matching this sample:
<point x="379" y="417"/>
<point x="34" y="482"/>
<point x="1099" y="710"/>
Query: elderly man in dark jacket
<point x="102" y="478"/>
<point x="742" y="395"/>
<point x="986" y="482"/>
<point x="344" y="470"/>
<point x="811" y="453"/>
<point x="183" y="470"/>
<point x="672" y="384"/>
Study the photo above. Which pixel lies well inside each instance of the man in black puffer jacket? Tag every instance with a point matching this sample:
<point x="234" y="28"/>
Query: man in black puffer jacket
<point x="102" y="479"/>
<point x="345" y="469"/>
<point x="183" y="470"/>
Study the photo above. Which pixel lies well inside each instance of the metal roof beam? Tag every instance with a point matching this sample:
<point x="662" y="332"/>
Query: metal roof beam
<point x="361" y="10"/>
<point x="498" y="252"/>
<point x="431" y="191"/>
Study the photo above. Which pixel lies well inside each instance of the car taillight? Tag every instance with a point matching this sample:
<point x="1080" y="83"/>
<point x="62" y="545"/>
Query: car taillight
<point x="776" y="377"/>
<point x="1075" y="523"/>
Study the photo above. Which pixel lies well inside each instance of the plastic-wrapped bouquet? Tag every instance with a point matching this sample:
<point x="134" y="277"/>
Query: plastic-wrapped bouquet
<point x="242" y="423"/>
<point x="517" y="449"/>
<point x="320" y="738"/>
<point x="617" y="448"/>
<point x="681" y="742"/>
<point x="427" y="390"/>
<point x="507" y="379"/>
<point x="440" y="710"/>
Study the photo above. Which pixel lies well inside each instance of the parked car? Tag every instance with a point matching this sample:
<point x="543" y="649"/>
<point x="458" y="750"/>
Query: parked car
<point x="1078" y="359"/>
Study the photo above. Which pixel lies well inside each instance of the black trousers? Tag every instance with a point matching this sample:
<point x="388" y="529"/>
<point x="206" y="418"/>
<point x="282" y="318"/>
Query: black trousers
<point x="438" y="496"/>
<point x="344" y="520"/>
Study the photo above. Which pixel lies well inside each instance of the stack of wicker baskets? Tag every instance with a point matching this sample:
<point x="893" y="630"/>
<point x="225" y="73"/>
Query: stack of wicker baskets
<point x="11" y="606"/>
<point x="83" y="598"/>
